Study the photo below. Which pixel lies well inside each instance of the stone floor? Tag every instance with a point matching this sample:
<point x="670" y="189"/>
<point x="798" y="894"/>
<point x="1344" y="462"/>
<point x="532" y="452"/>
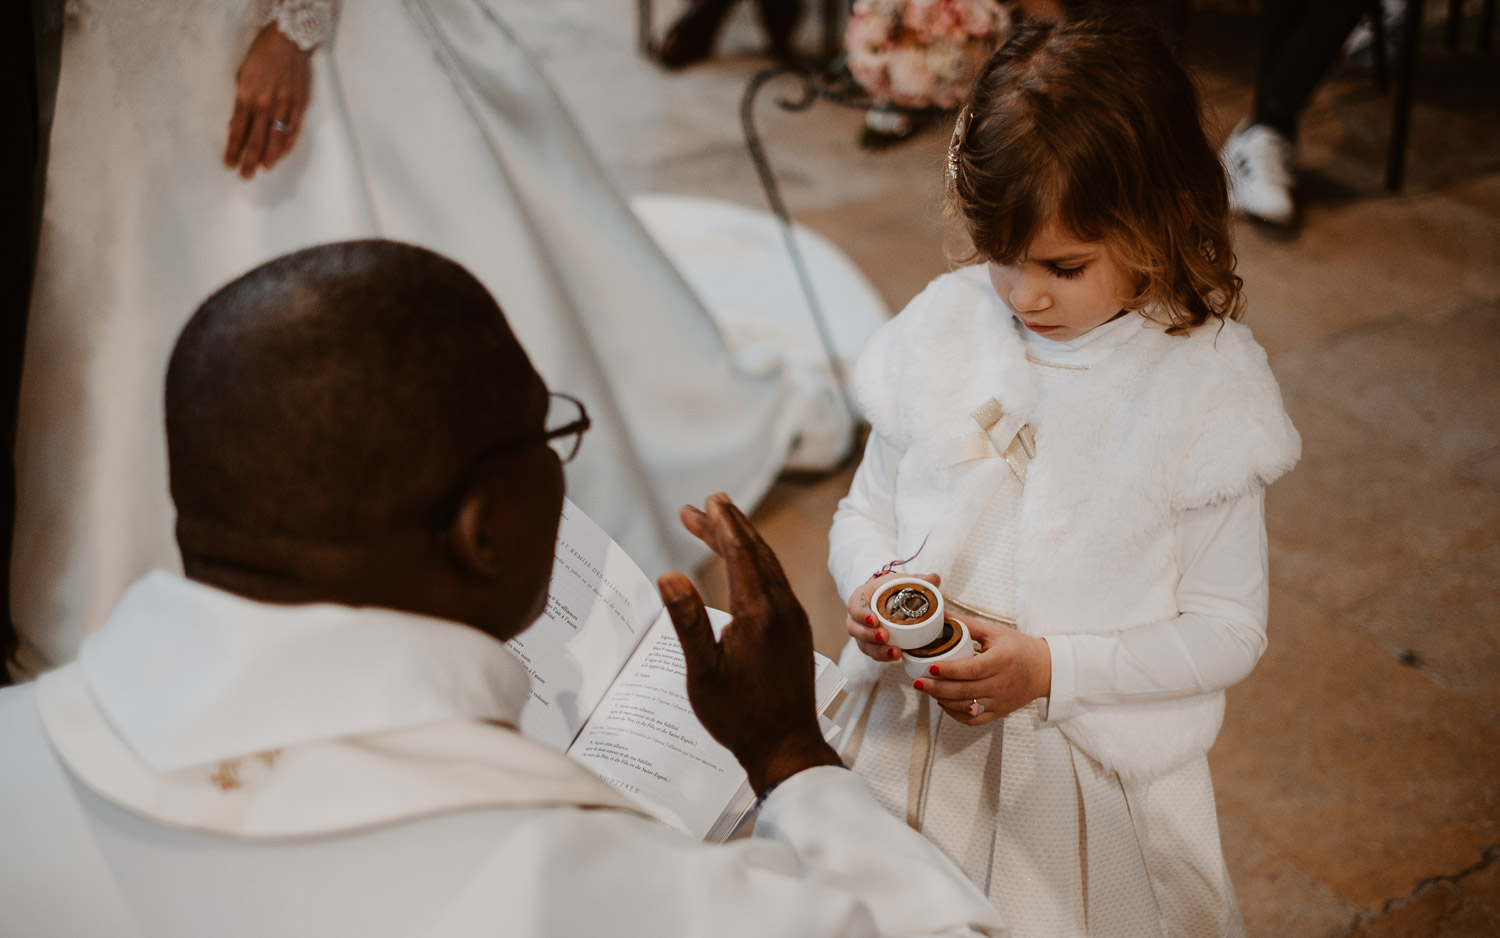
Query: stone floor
<point x="1358" y="772"/>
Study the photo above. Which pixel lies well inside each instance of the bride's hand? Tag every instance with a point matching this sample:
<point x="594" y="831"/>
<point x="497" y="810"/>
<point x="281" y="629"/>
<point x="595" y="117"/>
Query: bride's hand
<point x="274" y="82"/>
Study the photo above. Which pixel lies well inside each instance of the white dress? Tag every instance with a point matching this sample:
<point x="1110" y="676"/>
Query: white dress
<point x="428" y="123"/>
<point x="1062" y="846"/>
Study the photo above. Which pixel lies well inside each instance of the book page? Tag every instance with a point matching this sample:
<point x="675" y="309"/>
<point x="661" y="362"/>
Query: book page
<point x="645" y="739"/>
<point x="599" y="604"/>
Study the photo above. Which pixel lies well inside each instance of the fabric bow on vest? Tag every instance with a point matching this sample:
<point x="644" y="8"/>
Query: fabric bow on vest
<point x="1000" y="434"/>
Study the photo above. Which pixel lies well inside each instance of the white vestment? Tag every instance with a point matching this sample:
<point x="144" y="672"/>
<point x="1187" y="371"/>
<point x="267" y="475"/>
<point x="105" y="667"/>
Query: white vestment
<point x="428" y="123"/>
<point x="216" y="766"/>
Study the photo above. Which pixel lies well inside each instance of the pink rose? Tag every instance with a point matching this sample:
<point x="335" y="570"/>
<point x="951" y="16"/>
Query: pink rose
<point x="911" y="80"/>
<point x="983" y="17"/>
<point x="867" y="32"/>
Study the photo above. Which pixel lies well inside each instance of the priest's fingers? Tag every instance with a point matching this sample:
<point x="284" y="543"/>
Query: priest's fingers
<point x="690" y="619"/>
<point x="756" y="581"/>
<point x="696" y="523"/>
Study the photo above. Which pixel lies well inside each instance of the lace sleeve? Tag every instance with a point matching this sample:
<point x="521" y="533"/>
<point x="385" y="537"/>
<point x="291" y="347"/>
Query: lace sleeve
<point x="308" y="23"/>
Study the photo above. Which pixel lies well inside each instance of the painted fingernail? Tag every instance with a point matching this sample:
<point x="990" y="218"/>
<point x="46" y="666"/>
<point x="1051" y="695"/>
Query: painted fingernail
<point x="895" y="653"/>
<point x="932" y="670"/>
<point x="880" y="636"/>
<point x="870" y="621"/>
<point x="917" y="684"/>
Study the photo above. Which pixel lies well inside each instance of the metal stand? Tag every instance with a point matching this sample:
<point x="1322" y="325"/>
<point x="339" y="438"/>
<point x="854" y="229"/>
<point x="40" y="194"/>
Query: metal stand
<point x="836" y="88"/>
<point x="1406" y="75"/>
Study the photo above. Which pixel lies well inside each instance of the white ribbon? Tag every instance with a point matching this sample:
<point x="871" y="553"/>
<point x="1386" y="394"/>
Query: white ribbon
<point x="1002" y="435"/>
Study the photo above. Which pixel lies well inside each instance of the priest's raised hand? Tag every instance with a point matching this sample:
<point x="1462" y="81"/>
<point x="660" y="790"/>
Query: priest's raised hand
<point x="752" y="688"/>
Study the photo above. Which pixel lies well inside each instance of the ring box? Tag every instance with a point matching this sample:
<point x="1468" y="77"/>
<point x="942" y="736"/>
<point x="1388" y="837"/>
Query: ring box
<point x="910" y="610"/>
<point x="954" y="644"/>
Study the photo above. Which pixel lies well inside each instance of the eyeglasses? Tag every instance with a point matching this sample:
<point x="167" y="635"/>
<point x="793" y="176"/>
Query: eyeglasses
<point x="568" y="420"/>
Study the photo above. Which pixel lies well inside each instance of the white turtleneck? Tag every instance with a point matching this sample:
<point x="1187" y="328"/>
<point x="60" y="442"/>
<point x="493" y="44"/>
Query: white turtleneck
<point x="1214" y="641"/>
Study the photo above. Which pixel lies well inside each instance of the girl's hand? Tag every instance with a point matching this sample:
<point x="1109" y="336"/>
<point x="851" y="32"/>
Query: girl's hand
<point x="274" y="84"/>
<point x="1010" y="671"/>
<point x="862" y="624"/>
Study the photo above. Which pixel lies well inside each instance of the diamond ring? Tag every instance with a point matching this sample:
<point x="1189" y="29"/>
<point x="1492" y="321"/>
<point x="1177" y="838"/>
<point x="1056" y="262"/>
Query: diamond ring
<point x="281" y="127"/>
<point x="977" y="708"/>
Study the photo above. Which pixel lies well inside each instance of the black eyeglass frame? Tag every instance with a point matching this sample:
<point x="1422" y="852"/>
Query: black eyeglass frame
<point x="576" y="428"/>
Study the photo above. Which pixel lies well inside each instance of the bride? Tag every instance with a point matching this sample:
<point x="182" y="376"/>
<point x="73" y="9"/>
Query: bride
<point x="173" y="170"/>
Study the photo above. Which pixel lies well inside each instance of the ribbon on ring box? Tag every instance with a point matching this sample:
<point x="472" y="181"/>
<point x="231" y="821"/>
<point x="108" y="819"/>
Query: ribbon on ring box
<point x="1007" y="436"/>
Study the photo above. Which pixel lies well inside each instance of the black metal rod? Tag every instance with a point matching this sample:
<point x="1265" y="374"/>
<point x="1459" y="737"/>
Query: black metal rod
<point x="1376" y="15"/>
<point x="810" y="93"/>
<point x="1406" y="76"/>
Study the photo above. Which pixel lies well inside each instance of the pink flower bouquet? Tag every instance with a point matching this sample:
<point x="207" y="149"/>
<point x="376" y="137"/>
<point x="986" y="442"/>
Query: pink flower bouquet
<point x="922" y="53"/>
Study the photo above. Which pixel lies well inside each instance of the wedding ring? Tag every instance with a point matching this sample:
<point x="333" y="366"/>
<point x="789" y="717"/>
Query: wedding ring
<point x="281" y="127"/>
<point x="977" y="709"/>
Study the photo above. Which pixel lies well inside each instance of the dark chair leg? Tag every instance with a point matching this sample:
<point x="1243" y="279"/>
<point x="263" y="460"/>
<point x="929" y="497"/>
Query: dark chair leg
<point x="1454" y="25"/>
<point x="1378" y="46"/>
<point x="1406" y="73"/>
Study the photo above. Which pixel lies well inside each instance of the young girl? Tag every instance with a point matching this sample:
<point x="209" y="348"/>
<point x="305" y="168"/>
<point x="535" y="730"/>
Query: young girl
<point x="1073" y="439"/>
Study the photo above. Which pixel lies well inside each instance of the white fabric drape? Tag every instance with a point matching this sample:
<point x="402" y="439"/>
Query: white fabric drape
<point x="428" y="123"/>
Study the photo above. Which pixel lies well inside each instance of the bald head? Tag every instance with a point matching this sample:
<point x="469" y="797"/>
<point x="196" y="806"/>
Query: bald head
<point x="339" y="395"/>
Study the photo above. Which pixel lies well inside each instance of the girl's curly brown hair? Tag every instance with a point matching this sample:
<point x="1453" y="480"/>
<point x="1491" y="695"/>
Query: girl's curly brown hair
<point x="1096" y="125"/>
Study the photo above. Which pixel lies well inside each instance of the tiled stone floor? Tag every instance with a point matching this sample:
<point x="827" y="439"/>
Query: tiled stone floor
<point x="1358" y="772"/>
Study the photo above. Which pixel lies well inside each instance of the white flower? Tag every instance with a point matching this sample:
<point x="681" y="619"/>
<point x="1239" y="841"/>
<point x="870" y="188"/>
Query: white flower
<point x="946" y="60"/>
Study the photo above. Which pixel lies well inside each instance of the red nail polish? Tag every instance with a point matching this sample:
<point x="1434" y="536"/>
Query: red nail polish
<point x="917" y="684"/>
<point x="870" y="621"/>
<point x="880" y="637"/>
<point x="895" y="653"/>
<point x="932" y="670"/>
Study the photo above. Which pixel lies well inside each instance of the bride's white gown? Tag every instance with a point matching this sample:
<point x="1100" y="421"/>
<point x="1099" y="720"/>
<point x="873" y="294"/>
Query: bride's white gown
<point x="429" y="124"/>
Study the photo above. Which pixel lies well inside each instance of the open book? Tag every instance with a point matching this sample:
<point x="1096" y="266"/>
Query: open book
<point x="608" y="685"/>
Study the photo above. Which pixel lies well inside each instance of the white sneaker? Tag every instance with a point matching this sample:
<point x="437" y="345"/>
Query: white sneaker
<point x="1259" y="162"/>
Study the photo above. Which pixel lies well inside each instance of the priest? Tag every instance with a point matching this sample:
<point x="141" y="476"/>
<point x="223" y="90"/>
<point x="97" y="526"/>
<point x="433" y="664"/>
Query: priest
<point x="313" y="731"/>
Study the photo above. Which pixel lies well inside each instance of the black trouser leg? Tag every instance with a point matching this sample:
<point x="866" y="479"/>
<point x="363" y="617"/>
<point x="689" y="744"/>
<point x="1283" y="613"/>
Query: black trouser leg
<point x="28" y="81"/>
<point x="1299" y="41"/>
<point x="18" y="158"/>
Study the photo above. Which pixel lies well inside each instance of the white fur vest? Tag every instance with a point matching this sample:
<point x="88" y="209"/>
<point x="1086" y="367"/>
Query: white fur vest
<point x="1165" y="423"/>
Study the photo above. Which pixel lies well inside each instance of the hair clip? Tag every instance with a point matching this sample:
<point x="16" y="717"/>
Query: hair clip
<point x="960" y="127"/>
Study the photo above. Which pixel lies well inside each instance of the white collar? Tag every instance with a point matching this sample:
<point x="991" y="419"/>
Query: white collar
<point x="1088" y="349"/>
<point x="190" y="674"/>
<point x="207" y="710"/>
